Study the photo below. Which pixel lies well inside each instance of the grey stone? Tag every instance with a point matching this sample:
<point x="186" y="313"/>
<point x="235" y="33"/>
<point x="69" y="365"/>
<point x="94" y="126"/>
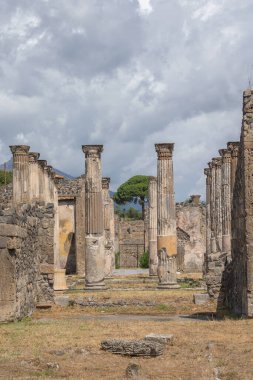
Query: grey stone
<point x="133" y="347"/>
<point x="200" y="299"/>
<point x="62" y="300"/>
<point x="160" y="338"/>
<point x="133" y="370"/>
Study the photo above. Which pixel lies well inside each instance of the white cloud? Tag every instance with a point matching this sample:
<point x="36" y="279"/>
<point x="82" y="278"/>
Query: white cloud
<point x="75" y="72"/>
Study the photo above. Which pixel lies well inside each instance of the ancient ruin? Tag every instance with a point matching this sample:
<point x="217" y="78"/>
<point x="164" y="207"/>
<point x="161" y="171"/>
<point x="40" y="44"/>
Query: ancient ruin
<point x="228" y="260"/>
<point x="166" y="218"/>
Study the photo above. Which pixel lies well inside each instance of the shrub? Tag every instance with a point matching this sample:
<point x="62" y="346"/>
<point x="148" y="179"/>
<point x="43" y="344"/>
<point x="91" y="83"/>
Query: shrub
<point x="144" y="260"/>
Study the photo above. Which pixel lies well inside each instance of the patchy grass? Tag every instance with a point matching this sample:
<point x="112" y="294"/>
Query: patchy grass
<point x="62" y="337"/>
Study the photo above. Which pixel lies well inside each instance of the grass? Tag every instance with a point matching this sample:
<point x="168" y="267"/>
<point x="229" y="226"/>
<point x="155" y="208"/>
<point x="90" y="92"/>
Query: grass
<point x="61" y="337"/>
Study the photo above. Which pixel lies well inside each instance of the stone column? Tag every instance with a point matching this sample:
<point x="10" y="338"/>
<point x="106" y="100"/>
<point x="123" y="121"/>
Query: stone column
<point x="42" y="181"/>
<point x="233" y="147"/>
<point x="152" y="228"/>
<point x="207" y="172"/>
<point x="212" y="207"/>
<point x="94" y="223"/>
<point x="34" y="176"/>
<point x="166" y="218"/>
<point x="59" y="273"/>
<point x="218" y="212"/>
<point x="20" y="173"/>
<point x="107" y="226"/>
<point x="226" y="201"/>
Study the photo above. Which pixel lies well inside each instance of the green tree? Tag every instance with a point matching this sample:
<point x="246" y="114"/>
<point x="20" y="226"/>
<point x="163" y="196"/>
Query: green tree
<point x="134" y="190"/>
<point x="5" y="177"/>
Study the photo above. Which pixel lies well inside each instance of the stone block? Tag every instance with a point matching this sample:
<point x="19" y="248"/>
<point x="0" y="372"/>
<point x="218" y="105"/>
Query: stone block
<point x="160" y="338"/>
<point x="62" y="300"/>
<point x="3" y="241"/>
<point x="133" y="347"/>
<point x="12" y="230"/>
<point x="46" y="268"/>
<point x="200" y="299"/>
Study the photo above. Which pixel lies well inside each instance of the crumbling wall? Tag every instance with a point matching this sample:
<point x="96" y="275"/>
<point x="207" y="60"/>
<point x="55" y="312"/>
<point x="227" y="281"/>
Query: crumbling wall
<point x="131" y="242"/>
<point x="191" y="219"/>
<point x="27" y="259"/>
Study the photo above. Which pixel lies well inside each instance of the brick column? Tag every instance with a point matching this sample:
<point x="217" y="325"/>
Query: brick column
<point x="212" y="207"/>
<point x="94" y="219"/>
<point x="152" y="226"/>
<point x="107" y="227"/>
<point x="20" y="173"/>
<point x="166" y="218"/>
<point x="226" y="201"/>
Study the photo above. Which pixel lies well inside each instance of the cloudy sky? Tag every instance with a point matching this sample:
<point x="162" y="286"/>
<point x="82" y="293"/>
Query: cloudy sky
<point x="126" y="74"/>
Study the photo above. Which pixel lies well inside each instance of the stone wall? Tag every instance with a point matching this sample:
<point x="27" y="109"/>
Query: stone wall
<point x="191" y="218"/>
<point x="190" y="238"/>
<point x="27" y="259"/>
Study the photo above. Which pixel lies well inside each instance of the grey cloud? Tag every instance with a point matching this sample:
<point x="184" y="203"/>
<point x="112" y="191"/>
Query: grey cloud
<point x="75" y="72"/>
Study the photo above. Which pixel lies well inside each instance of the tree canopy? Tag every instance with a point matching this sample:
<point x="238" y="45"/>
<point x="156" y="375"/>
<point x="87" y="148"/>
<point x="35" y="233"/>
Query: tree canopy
<point x="133" y="190"/>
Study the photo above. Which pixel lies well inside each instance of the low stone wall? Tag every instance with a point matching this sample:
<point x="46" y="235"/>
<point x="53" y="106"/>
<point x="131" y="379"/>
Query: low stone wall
<point x="27" y="259"/>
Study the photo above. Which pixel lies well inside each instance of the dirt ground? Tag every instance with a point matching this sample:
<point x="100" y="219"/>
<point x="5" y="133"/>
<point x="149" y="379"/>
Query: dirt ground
<point x="64" y="342"/>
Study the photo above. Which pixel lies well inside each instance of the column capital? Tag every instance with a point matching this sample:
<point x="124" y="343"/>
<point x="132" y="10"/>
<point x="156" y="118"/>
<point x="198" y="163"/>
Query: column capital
<point x="33" y="157"/>
<point x="19" y="149"/>
<point x="217" y="161"/>
<point x="42" y="163"/>
<point x="207" y="171"/>
<point x="152" y="179"/>
<point x="164" y="150"/>
<point x="105" y="183"/>
<point x="233" y="147"/>
<point x="92" y="150"/>
<point x="225" y="155"/>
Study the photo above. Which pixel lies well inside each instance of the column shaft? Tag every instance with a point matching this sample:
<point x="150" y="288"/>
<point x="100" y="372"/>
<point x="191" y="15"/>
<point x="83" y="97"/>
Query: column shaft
<point x="152" y="226"/>
<point x="166" y="218"/>
<point x="94" y="220"/>
<point x="20" y="173"/>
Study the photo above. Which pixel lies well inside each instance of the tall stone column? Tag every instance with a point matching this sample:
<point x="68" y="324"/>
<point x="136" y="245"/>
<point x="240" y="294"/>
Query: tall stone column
<point x="166" y="218"/>
<point x="218" y="211"/>
<point x="207" y="172"/>
<point x="59" y="273"/>
<point x="42" y="181"/>
<point x="20" y="173"/>
<point x="94" y="219"/>
<point x="34" y="176"/>
<point x="152" y="228"/>
<point x="226" y="201"/>
<point x="212" y="207"/>
<point x="233" y="147"/>
<point x="107" y="227"/>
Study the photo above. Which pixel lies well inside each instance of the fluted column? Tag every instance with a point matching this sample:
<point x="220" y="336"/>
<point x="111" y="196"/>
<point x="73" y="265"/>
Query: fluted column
<point x="212" y="207"/>
<point x="207" y="172"/>
<point x="218" y="212"/>
<point x="20" y="173"/>
<point x="42" y="182"/>
<point x="94" y="219"/>
<point x="233" y="147"/>
<point x="226" y="201"/>
<point x="107" y="227"/>
<point x="166" y="218"/>
<point x="152" y="226"/>
<point x="34" y="176"/>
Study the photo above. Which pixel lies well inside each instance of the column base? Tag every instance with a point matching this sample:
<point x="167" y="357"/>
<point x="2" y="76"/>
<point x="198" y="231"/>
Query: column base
<point x="95" y="287"/>
<point x="60" y="279"/>
<point x="168" y="286"/>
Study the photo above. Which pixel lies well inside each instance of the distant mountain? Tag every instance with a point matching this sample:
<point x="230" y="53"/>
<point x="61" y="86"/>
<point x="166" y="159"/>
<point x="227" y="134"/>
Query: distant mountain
<point x="9" y="166"/>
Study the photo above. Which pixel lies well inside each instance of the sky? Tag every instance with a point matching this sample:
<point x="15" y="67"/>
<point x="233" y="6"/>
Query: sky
<point x="126" y="74"/>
